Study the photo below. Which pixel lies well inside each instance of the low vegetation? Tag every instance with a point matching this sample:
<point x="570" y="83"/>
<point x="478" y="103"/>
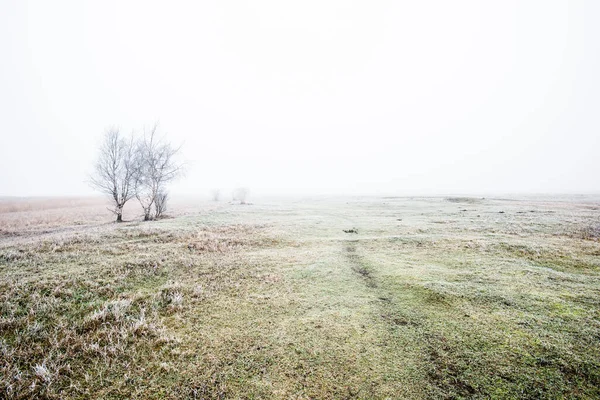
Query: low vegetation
<point x="356" y="298"/>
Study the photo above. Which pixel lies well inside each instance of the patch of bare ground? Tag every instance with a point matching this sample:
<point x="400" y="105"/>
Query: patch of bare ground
<point x="468" y="200"/>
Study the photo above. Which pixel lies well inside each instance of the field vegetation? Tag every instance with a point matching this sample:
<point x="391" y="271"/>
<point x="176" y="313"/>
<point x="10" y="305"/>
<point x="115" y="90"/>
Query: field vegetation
<point x="397" y="297"/>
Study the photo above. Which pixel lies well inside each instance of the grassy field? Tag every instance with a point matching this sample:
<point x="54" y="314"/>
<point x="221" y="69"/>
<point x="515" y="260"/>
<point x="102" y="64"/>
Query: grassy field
<point x="323" y="298"/>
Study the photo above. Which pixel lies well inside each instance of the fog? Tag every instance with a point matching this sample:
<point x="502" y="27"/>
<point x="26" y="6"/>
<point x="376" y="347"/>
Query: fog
<point x="336" y="97"/>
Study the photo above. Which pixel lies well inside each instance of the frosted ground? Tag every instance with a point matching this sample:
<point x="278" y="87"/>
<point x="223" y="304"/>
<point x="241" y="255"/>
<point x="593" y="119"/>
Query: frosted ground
<point x="398" y="297"/>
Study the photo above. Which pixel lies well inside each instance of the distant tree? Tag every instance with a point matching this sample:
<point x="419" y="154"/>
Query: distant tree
<point x="115" y="170"/>
<point x="156" y="167"/>
<point x="241" y="194"/>
<point x="215" y="195"/>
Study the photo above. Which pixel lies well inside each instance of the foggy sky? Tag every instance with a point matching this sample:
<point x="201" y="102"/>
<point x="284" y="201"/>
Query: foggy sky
<point x="324" y="97"/>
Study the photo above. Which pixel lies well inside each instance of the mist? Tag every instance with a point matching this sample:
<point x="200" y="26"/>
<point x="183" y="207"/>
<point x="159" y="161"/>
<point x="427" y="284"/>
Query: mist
<point x="311" y="98"/>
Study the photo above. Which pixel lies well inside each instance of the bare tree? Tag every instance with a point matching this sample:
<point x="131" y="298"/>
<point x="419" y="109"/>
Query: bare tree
<point x="241" y="194"/>
<point x="216" y="195"/>
<point x="115" y="170"/>
<point x="156" y="167"/>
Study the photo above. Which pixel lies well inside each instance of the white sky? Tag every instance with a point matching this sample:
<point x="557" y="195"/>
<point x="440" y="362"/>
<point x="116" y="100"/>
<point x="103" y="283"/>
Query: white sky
<point x="405" y="97"/>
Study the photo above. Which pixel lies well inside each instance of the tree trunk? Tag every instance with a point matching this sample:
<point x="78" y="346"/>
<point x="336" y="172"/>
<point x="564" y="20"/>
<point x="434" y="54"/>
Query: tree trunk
<point x="119" y="212"/>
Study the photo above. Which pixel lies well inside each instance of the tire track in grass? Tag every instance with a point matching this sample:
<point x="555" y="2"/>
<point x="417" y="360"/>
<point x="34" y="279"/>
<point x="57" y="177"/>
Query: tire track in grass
<point x="393" y="346"/>
<point x="361" y="267"/>
<point x="408" y="329"/>
<point x="444" y="376"/>
<point x="358" y="265"/>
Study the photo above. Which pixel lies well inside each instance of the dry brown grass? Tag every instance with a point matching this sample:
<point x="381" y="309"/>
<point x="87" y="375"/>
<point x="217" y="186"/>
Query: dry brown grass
<point x="19" y="217"/>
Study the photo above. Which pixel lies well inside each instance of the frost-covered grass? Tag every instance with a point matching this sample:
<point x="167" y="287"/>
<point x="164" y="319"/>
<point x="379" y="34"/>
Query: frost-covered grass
<point x="444" y="297"/>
